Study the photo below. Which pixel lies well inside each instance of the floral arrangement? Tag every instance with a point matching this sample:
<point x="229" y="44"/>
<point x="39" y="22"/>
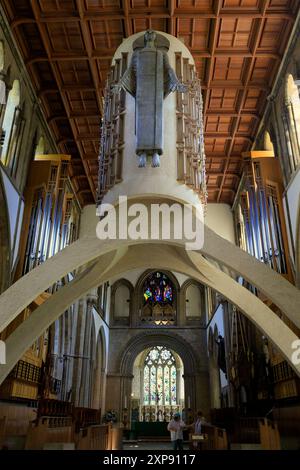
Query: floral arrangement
<point x="110" y="416"/>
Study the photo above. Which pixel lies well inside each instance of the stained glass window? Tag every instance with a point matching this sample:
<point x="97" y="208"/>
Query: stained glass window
<point x="158" y="288"/>
<point x="160" y="377"/>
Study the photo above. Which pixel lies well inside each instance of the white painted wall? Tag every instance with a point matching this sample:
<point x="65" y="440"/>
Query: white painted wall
<point x="122" y="296"/>
<point x="193" y="301"/>
<point x="219" y="218"/>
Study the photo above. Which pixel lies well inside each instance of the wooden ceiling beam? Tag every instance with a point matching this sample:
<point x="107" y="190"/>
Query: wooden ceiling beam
<point x="97" y="62"/>
<point x="88" y="46"/>
<point x="126" y="20"/>
<point x="43" y="34"/>
<point x="258" y="34"/>
<point x="229" y="113"/>
<point x="138" y="13"/>
<point x="227" y="136"/>
<point x="90" y="136"/>
<point x="219" y="84"/>
<point x="213" y="40"/>
<point x="107" y="54"/>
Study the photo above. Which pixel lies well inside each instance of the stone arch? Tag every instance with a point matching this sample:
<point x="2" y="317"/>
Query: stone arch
<point x="10" y="122"/>
<point x="143" y="341"/>
<point x="290" y="90"/>
<point x="99" y="379"/>
<point x="171" y="341"/>
<point x="140" y="282"/>
<point x="292" y="120"/>
<point x="40" y="146"/>
<point x="184" y="292"/>
<point x="267" y="141"/>
<point x="145" y="274"/>
<point x="120" y="283"/>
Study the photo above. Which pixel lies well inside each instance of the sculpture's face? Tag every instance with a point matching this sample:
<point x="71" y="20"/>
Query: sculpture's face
<point x="149" y="38"/>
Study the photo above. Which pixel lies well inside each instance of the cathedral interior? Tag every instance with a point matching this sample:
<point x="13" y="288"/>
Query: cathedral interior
<point x="130" y="105"/>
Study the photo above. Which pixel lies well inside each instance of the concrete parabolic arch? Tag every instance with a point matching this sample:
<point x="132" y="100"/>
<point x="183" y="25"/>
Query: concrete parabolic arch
<point x="26" y="289"/>
<point x="168" y="257"/>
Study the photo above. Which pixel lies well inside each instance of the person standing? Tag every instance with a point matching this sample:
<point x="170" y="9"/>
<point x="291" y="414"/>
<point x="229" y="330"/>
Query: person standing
<point x="176" y="426"/>
<point x="197" y="425"/>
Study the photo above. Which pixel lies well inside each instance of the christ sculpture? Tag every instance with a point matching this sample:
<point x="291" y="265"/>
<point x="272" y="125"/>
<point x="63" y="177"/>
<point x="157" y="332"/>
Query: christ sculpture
<point x="149" y="79"/>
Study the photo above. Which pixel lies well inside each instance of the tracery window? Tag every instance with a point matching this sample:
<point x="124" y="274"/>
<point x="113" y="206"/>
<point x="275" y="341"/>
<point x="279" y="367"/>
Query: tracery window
<point x="158" y="303"/>
<point x="160" y="377"/>
<point x="158" y="288"/>
<point x="12" y="129"/>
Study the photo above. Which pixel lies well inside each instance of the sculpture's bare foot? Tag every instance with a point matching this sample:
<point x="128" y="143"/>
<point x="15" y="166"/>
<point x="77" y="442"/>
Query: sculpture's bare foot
<point x="142" y="160"/>
<point x="155" y="160"/>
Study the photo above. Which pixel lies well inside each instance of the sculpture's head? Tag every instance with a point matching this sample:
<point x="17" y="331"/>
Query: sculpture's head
<point x="149" y="38"/>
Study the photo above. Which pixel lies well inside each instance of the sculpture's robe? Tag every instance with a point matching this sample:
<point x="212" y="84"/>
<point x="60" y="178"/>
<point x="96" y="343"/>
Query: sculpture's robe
<point x="149" y="79"/>
<point x="149" y="101"/>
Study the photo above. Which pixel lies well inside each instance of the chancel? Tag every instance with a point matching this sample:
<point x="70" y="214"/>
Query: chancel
<point x="105" y="342"/>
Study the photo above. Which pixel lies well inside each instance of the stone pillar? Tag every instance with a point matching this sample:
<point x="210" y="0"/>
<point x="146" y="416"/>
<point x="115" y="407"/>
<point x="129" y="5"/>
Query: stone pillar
<point x="113" y="395"/>
<point x="215" y="387"/>
<point x="196" y="392"/>
<point x="134" y="314"/>
<point x="78" y="353"/>
<point x="125" y="401"/>
<point x="181" y="318"/>
<point x="227" y="333"/>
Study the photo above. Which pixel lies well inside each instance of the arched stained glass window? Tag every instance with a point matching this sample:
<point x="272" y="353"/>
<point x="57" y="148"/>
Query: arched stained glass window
<point x="160" y="377"/>
<point x="158" y="288"/>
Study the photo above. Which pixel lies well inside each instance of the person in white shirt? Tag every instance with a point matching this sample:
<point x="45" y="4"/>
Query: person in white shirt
<point x="176" y="426"/>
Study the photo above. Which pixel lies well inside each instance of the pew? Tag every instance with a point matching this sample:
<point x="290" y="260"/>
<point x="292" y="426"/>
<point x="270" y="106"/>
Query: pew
<point x="2" y="431"/>
<point x="49" y="430"/>
<point x="95" y="437"/>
